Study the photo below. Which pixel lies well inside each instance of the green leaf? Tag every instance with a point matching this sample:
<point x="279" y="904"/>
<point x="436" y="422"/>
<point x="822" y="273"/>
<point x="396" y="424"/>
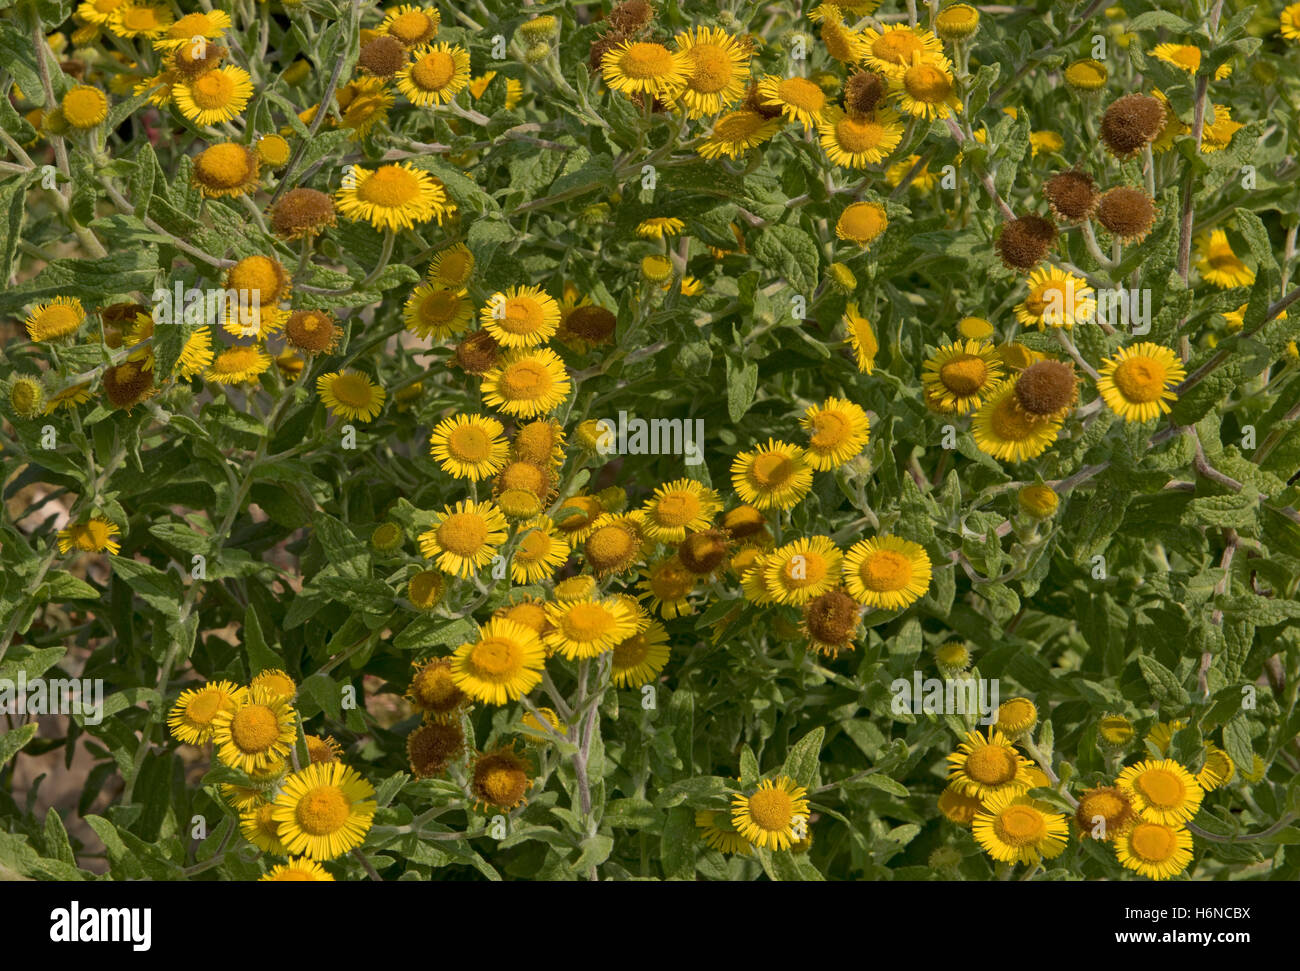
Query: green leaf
<point x="1165" y="687"/>
<point x="12" y="742"/>
<point x="742" y="384"/>
<point x="802" y="762"/>
<point x="792" y="253"/>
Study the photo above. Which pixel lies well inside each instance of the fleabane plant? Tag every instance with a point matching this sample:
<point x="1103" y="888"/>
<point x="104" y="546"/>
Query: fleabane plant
<point x="644" y="440"/>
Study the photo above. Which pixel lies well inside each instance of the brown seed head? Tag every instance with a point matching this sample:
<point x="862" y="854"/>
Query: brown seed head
<point x="863" y="91"/>
<point x="631" y="16"/>
<point x="1072" y="195"/>
<point x="1046" y="388"/>
<point x="1130" y="123"/>
<point x="477" y="352"/>
<point x="831" y="618"/>
<point x="312" y="331"/>
<point x="1024" y="242"/>
<point x="383" y="57"/>
<point x="1126" y="212"/>
<point x="302" y="212"/>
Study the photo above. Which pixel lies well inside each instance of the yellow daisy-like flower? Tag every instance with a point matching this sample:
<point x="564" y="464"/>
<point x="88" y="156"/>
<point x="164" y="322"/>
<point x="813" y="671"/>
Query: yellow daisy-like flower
<point x="1155" y="850"/>
<point x="451" y="267"/>
<point x="774" y="476"/>
<point x="95" y="535"/>
<point x="96" y="12"/>
<point x="521" y="317"/>
<point x="667" y="588"/>
<point x="959" y="808"/>
<point x="297" y="869"/>
<point x="526" y="382"/>
<point x="1219" y="128"/>
<point x="1013" y="828"/>
<point x="892" y="50"/>
<point x="862" y="223"/>
<point x="260" y="828"/>
<point x="1086" y="74"/>
<point x="988" y="765"/>
<point x="641" y="658"/>
<point x="469" y="446"/>
<point x="799" y="99"/>
<point x="1288" y="22"/>
<point x="856" y="140"/>
<point x="225" y="170"/>
<point x="1045" y="141"/>
<point x="846" y="45"/>
<point x="275" y="683"/>
<point x="84" y="106"/>
<point x="642" y="67"/>
<point x="256" y="732"/>
<point x="957" y="376"/>
<point x="1016" y="716"/>
<point x="139" y="20"/>
<point x="433" y="690"/>
<point x="589" y="628"/>
<point x="924" y="181"/>
<point x="502" y="665"/>
<point x="716" y="831"/>
<point x="206" y="24"/>
<point x="802" y="570"/>
<point x="412" y="26"/>
<point x="1219" y="265"/>
<point x="324" y="810"/>
<point x="737" y="132"/>
<point x="716" y="69"/>
<point x="55" y="320"/>
<point x="1188" y="58"/>
<point x="774" y="815"/>
<point x="1056" y="298"/>
<point x="364" y="103"/>
<point x="676" y="508"/>
<point x="862" y="339"/>
<point x="325" y="749"/>
<point x="436" y="76"/>
<point x="659" y="227"/>
<point x="1163" y="791"/>
<point x="191" y="717"/>
<point x="238" y="365"/>
<point x="1217" y="770"/>
<point x="514" y="89"/>
<point x="926" y="89"/>
<point x="540" y="552"/>
<point x="214" y="96"/>
<point x="1005" y="431"/>
<point x="436" y="311"/>
<point x="464" y="538"/>
<point x="1137" y="383"/>
<point x="393" y="197"/>
<point x="351" y="395"/>
<point x="887" y="572"/>
<point x="196" y="354"/>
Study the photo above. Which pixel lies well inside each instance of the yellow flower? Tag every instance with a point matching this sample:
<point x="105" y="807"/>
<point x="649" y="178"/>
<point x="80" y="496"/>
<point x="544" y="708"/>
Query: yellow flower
<point x="297" y="869"/>
<point x="351" y="395"/>
<point x="716" y="831"/>
<point x="799" y="99"/>
<point x="957" y="376"/>
<point x="191" y="717"/>
<point x="887" y="572"/>
<point x="988" y="765"/>
<point x="659" y="227"/>
<point x="256" y="732"/>
<point x="855" y="140"/>
<point x="958" y="807"/>
<point x="774" y="815"/>
<point x="1137" y="383"/>
<point x="502" y="665"/>
<point x="260" y="828"/>
<point x="95" y="535"/>
<point x="862" y="338"/>
<point x="1037" y="500"/>
<point x="521" y="317"/>
<point x="324" y="810"/>
<point x="589" y="628"/>
<point x="1289" y="22"/>
<point x="526" y="382"/>
<point x="737" y="132"/>
<point x="1219" y="265"/>
<point x="642" y="67"/>
<point x="1056" y="298"/>
<point x="84" y="107"/>
<point x="207" y="24"/>
<point x="238" y="365"/>
<point x="716" y="68"/>
<point x="1045" y="141"/>
<point x="436" y="311"/>
<point x="1087" y="75"/>
<point x="925" y="89"/>
<point x="451" y="267"/>
<point x="1013" y="828"/>
<point x="469" y="446"/>
<point x="676" y="508"/>
<point x="226" y="169"/>
<point x="924" y="181"/>
<point x="1162" y="790"/>
<point x="640" y="658"/>
<point x="1155" y="850"/>
<point x="1016" y="716"/>
<point x="412" y="26"/>
<point x="214" y="96"/>
<point x="837" y="431"/>
<point x="393" y="197"/>
<point x="891" y="50"/>
<point x="57" y="319"/>
<point x="434" y="691"/>
<point x="1005" y="431"/>
<point x="540" y="552"/>
<point x="667" y="587"/>
<point x="773" y="476"/>
<point x="464" y="538"/>
<point x="862" y="223"/>
<point x="436" y="76"/>
<point x="1219" y="128"/>
<point x="500" y="779"/>
<point x="802" y="570"/>
<point x="139" y="20"/>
